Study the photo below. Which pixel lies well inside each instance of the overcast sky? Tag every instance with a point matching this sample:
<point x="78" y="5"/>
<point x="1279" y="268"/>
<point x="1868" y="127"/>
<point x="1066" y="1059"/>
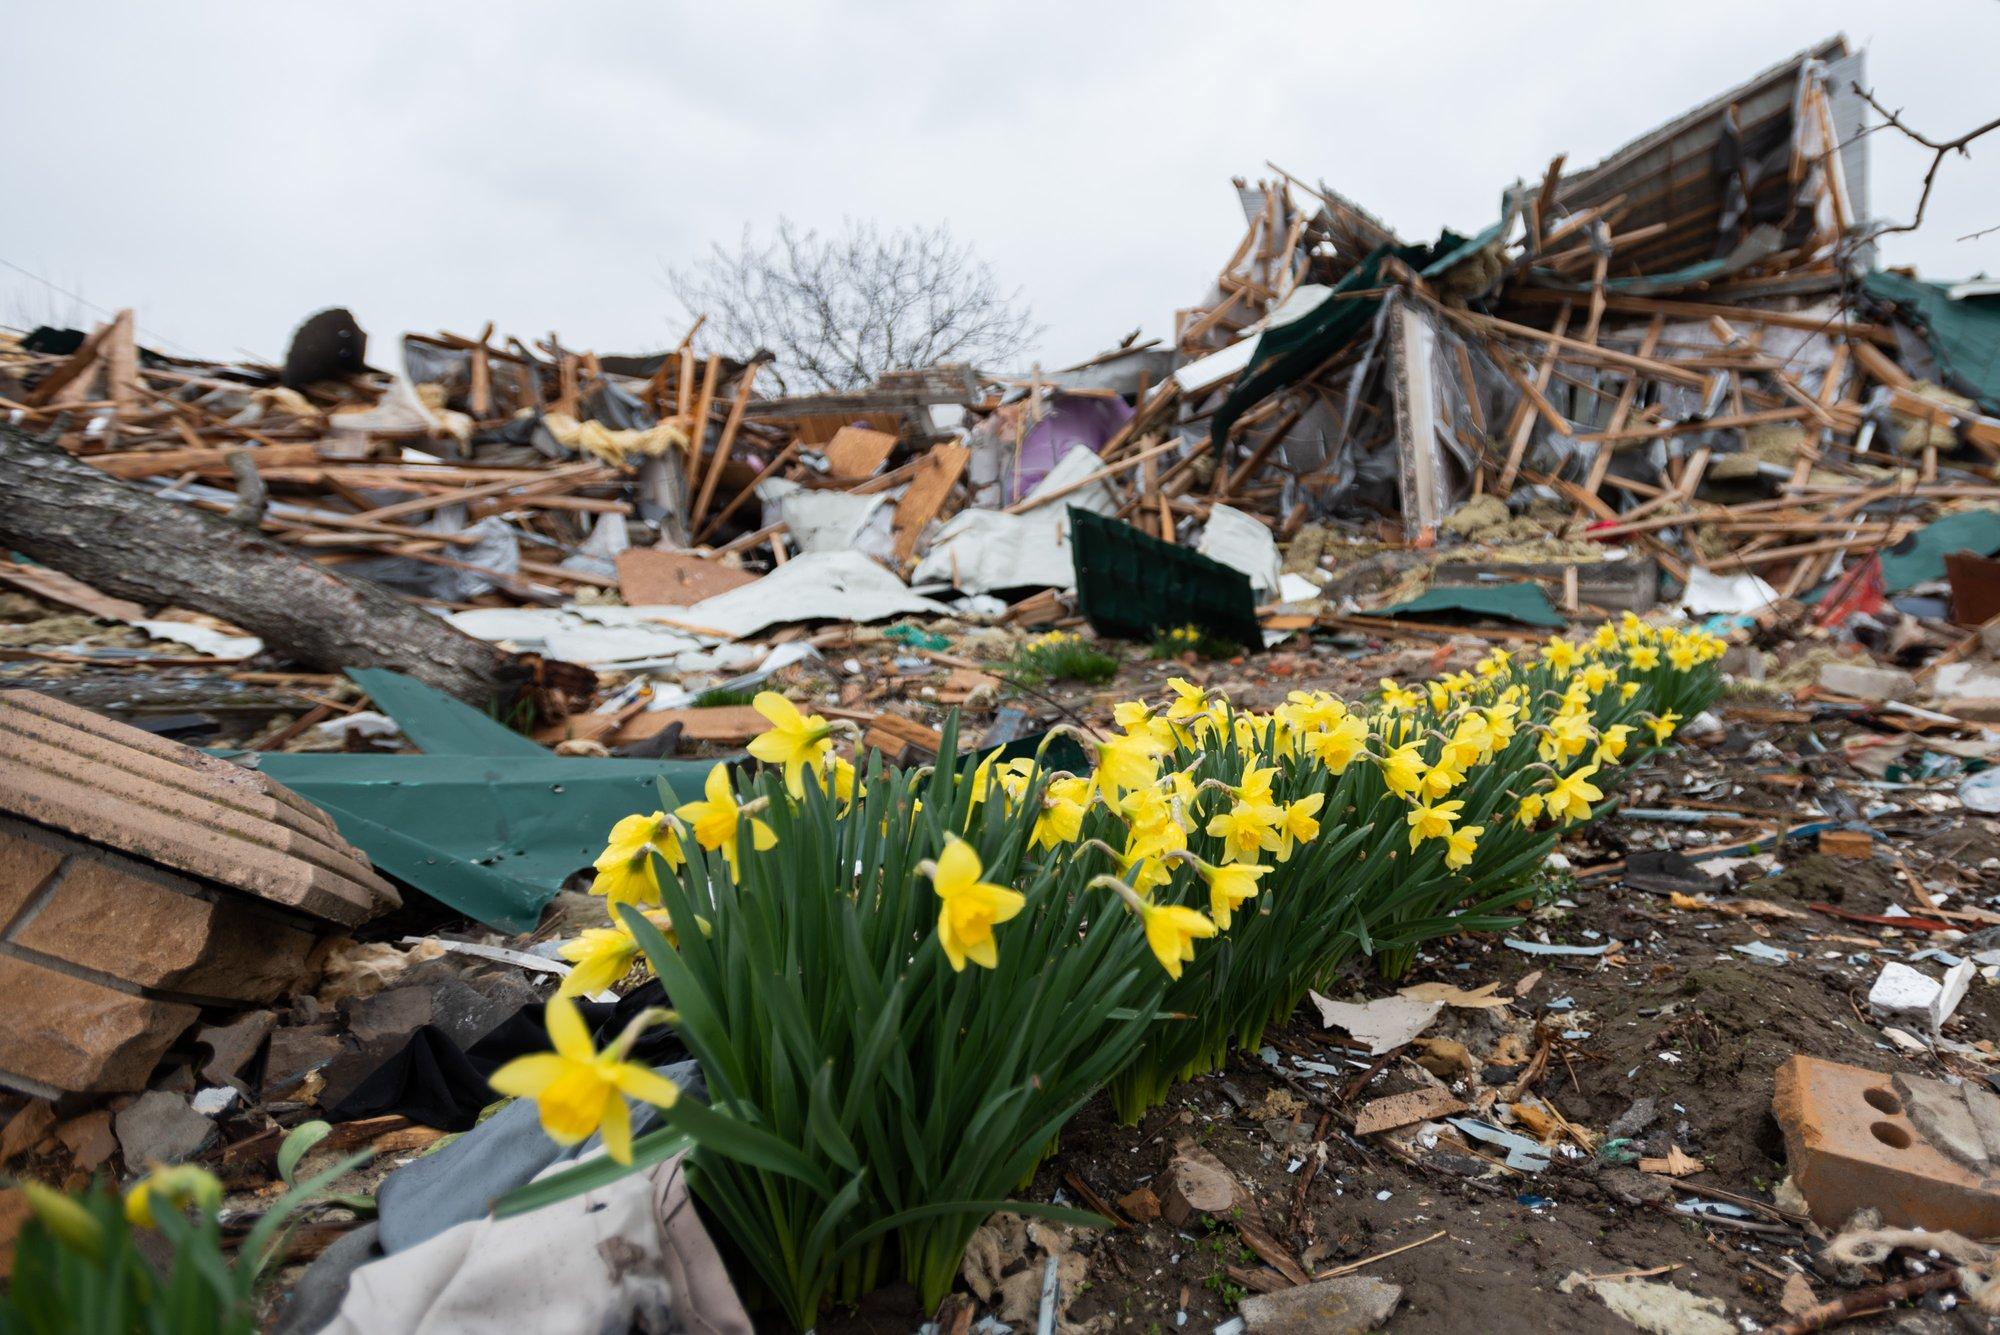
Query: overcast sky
<point x="229" y="168"/>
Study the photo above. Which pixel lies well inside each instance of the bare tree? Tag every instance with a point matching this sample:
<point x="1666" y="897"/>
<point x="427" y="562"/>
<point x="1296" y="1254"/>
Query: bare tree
<point x="840" y="310"/>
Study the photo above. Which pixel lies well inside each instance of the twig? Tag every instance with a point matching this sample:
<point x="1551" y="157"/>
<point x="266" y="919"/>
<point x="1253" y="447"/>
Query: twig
<point x="1353" y="1266"/>
<point x="1940" y="149"/>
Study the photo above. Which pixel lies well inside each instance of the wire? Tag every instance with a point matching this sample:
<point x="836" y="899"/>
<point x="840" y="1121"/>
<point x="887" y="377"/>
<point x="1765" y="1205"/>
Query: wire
<point x="153" y="334"/>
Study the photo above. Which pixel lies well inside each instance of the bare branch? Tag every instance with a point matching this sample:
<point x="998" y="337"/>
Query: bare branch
<point x="839" y="311"/>
<point x="1940" y="150"/>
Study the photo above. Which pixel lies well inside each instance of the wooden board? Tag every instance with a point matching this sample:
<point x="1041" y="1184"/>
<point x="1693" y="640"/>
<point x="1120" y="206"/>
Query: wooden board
<point x="856" y="452"/>
<point x="726" y="725"/>
<point x="926" y="495"/>
<point x="650" y="577"/>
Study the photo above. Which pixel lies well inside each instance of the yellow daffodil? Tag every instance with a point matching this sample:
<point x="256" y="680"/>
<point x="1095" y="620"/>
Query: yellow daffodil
<point x="1298" y="825"/>
<point x="625" y="870"/>
<point x="1460" y="845"/>
<point x="1561" y="655"/>
<point x="1663" y="726"/>
<point x="1569" y="801"/>
<point x="1440" y="779"/>
<point x="1171" y="931"/>
<point x="1643" y="657"/>
<point x="1566" y="736"/>
<point x="1229" y="886"/>
<point x="1399" y="697"/>
<point x="1064" y="804"/>
<point x="1432" y="820"/>
<point x="1469" y="744"/>
<point x="1246" y="829"/>
<point x="795" y="740"/>
<point x="716" y="819"/>
<point x="1127" y="763"/>
<point x="579" y="1090"/>
<point x="1403" y="770"/>
<point x="1606" y="638"/>
<point x="1255" y="785"/>
<point x="1596" y="676"/>
<point x="1612" y="743"/>
<point x="970" y="908"/>
<point x="603" y="955"/>
<point x="176" y="1188"/>
<point x="1626" y="690"/>
<point x="1530" y="809"/>
<point x="1338" y="743"/>
<point x="1683" y="655"/>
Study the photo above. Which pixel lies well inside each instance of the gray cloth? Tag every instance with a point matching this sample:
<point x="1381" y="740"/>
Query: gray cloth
<point x="460" y="1182"/>
<point x="315" y="1298"/>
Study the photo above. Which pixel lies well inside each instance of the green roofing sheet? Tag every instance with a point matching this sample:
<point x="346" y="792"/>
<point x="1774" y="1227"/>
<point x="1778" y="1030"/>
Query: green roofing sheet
<point x="1525" y="604"/>
<point x="1964" y="335"/>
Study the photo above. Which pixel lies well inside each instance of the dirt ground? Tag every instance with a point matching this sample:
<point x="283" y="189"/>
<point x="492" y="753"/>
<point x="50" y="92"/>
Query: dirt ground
<point x="1675" y="1014"/>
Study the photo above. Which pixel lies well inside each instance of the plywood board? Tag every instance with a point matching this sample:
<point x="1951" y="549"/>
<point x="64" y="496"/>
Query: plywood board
<point x="650" y="577"/>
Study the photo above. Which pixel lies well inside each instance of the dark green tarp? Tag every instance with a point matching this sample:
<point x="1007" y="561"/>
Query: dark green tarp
<point x="1964" y="335"/>
<point x="1920" y="557"/>
<point x="1132" y="585"/>
<point x="1524" y="604"/>
<point x="485" y="821"/>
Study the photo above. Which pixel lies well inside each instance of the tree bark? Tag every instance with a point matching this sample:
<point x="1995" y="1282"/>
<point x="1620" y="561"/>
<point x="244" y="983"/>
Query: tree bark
<point x="125" y="541"/>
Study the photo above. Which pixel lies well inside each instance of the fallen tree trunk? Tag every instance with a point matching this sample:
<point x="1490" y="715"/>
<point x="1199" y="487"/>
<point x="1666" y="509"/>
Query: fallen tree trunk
<point x="125" y="541"/>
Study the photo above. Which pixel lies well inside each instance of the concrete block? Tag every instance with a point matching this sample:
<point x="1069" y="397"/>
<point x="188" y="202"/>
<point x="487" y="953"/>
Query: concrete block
<point x="1853" y="1144"/>
<point x="73" y="1034"/>
<point x="1865" y="681"/>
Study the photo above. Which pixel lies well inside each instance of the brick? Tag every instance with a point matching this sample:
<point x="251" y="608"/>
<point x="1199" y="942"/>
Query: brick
<point x="68" y="769"/>
<point x="79" y="1036"/>
<point x="26" y="863"/>
<point x="1851" y="1145"/>
<point x="116" y="916"/>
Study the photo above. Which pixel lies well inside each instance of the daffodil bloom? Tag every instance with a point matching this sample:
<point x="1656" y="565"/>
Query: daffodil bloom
<point x="1255" y="785"/>
<point x="1064" y="804"/>
<point x="717" y="818"/>
<point x="67" y="1221"/>
<point x="1190" y="701"/>
<point x="971" y="906"/>
<point x="1500" y="725"/>
<point x="1399" y="697"/>
<point x="1171" y="931"/>
<point x="838" y="780"/>
<point x="1566" y="736"/>
<point x="1469" y="744"/>
<point x="1683" y="655"/>
<point x="1460" y="845"/>
<point x="1229" y="886"/>
<point x="603" y="955"/>
<point x="1643" y="656"/>
<point x="1403" y="770"/>
<point x="1440" y="779"/>
<point x="1612" y="742"/>
<point x="577" y="1089"/>
<point x="1626" y="690"/>
<point x="1596" y="676"/>
<point x="1561" y="655"/>
<point x="1298" y="826"/>
<point x="1530" y="810"/>
<point x="1569" y="801"/>
<point x="176" y="1188"/>
<point x="795" y="740"/>
<point x="1606" y="638"/>
<point x="625" y="870"/>
<point x="1127" y="763"/>
<point x="1336" y="745"/>
<point x="1663" y="726"/>
<point x="1432" y="821"/>
<point x="1246" y="829"/>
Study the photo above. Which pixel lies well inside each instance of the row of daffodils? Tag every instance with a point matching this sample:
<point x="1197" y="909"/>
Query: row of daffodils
<point x="900" y="984"/>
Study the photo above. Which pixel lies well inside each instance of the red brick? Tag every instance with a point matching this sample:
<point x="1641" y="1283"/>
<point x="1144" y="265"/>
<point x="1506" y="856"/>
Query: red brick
<point x="1851" y="1144"/>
